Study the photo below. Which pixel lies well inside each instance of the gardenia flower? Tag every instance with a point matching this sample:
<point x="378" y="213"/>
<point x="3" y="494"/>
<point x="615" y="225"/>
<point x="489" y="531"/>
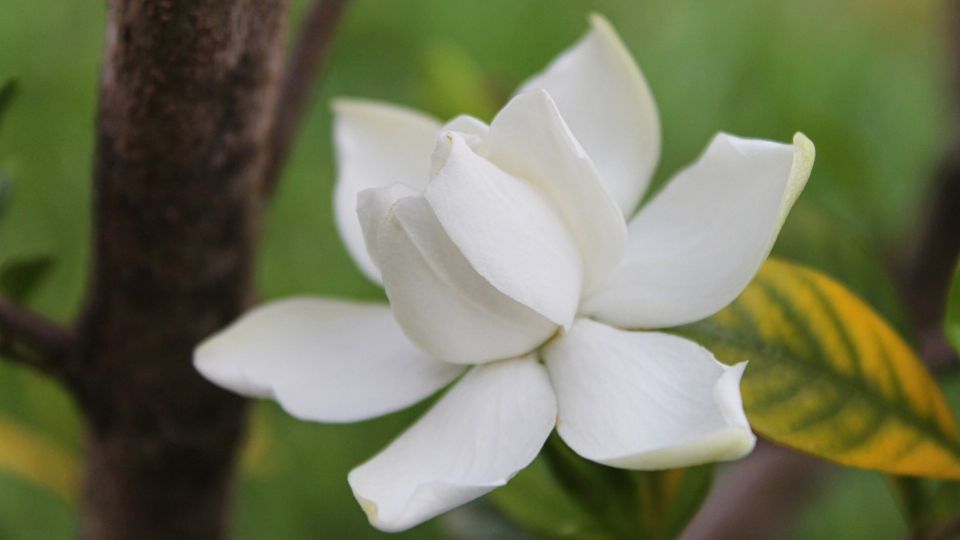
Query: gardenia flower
<point x="508" y="259"/>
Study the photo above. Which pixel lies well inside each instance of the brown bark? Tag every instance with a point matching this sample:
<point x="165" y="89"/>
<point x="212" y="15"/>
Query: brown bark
<point x="189" y="110"/>
<point x="186" y="97"/>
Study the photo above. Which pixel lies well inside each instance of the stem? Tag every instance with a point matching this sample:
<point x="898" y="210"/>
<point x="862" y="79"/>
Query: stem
<point x="302" y="73"/>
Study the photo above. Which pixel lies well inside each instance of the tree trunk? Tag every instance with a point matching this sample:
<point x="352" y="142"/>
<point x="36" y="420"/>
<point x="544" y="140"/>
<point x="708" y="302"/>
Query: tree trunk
<point x="186" y="96"/>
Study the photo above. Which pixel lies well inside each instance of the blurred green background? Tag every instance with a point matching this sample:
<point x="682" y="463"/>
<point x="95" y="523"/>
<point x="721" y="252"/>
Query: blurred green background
<point x="866" y="80"/>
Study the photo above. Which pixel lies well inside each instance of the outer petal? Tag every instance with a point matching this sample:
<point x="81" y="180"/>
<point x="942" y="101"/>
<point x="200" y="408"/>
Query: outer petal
<point x="488" y="427"/>
<point x="377" y="144"/>
<point x="439" y="300"/>
<point x="645" y="400"/>
<point x="324" y="360"/>
<point x="529" y="139"/>
<point x="606" y="102"/>
<point x="695" y="247"/>
<point x="373" y="205"/>
<point x="509" y="233"/>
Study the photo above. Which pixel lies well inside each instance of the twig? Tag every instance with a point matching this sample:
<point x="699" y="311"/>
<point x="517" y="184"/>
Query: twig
<point x="44" y="340"/>
<point x="308" y="58"/>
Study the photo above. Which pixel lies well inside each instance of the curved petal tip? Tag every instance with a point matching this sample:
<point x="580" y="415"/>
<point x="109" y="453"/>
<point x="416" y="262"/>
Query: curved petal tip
<point x="804" y="154"/>
<point x="488" y="427"/>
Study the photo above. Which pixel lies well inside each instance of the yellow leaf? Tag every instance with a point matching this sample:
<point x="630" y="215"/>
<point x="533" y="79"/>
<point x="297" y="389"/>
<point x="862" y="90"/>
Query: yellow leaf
<point x="830" y="377"/>
<point x="37" y="459"/>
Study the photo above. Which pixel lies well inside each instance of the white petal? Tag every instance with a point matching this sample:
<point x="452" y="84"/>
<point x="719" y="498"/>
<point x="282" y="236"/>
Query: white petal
<point x="377" y="144"/>
<point x="606" y="102"/>
<point x="645" y="400"/>
<point x="480" y="434"/>
<point x="530" y="140"/>
<point x="699" y="242"/>
<point x="373" y="206"/>
<point x="473" y="130"/>
<point x="324" y="360"/>
<point x="509" y="233"/>
<point x="440" y="301"/>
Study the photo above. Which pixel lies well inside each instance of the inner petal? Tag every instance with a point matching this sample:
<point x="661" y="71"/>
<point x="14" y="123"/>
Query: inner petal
<point x="508" y="231"/>
<point x="439" y="299"/>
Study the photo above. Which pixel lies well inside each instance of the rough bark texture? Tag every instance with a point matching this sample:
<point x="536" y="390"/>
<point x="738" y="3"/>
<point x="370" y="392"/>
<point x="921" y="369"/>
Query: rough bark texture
<point x="186" y="97"/>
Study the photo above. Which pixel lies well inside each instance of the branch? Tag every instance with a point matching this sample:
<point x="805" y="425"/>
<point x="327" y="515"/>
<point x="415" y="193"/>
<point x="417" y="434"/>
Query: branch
<point x="306" y="62"/>
<point x="43" y="339"/>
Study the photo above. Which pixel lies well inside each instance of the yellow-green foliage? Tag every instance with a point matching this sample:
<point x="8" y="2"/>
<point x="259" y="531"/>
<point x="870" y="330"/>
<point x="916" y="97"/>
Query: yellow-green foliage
<point x="828" y="376"/>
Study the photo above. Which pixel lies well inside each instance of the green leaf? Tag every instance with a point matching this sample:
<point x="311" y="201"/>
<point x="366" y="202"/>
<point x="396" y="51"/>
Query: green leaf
<point x="28" y="510"/>
<point x="7" y="92"/>
<point x="566" y="496"/>
<point x="607" y="494"/>
<point x="952" y="328"/>
<point x="20" y="278"/>
<point x="535" y="501"/>
<point x="668" y="500"/>
<point x="829" y="377"/>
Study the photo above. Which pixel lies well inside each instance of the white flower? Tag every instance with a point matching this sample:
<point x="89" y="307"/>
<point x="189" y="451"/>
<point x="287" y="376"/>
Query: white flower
<point x="507" y="256"/>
